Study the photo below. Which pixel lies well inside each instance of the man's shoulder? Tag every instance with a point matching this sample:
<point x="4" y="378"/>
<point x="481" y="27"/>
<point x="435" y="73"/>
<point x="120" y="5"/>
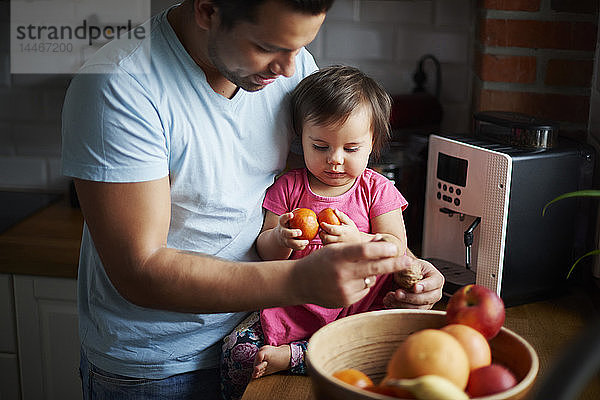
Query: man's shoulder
<point x="305" y="63"/>
<point x="130" y="54"/>
<point x="124" y="66"/>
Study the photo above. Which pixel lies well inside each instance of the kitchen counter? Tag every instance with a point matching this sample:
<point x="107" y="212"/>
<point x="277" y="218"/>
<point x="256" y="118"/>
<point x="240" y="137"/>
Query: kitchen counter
<point x="44" y="244"/>
<point x="547" y="325"/>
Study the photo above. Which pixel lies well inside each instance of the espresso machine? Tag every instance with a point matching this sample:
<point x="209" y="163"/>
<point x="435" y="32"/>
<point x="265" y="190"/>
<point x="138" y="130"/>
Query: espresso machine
<point x="484" y="197"/>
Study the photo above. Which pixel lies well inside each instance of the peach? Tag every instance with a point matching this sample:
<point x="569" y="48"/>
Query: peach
<point x="305" y="219"/>
<point x="328" y="216"/>
<point x="354" y="377"/>
<point x="430" y="352"/>
<point x="474" y="343"/>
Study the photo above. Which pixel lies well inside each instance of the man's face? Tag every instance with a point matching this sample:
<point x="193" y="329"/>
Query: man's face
<point x="252" y="55"/>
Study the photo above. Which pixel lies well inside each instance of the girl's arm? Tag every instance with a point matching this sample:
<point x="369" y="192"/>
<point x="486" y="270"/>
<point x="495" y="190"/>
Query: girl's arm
<point x="391" y="226"/>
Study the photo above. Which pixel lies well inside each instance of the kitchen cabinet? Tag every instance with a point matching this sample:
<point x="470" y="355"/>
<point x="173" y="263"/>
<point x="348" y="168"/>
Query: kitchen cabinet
<point x="9" y="364"/>
<point x="39" y="343"/>
<point x="48" y="341"/>
<point x="9" y="379"/>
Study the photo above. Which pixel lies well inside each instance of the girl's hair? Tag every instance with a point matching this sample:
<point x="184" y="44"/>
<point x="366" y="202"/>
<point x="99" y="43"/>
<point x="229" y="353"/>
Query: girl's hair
<point x="329" y="95"/>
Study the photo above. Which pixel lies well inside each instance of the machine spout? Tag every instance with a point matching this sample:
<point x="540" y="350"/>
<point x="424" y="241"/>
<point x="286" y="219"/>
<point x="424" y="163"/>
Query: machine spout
<point x="468" y="239"/>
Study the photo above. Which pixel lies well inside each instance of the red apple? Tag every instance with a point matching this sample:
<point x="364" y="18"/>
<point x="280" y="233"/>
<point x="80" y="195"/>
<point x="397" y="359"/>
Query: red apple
<point x="478" y="307"/>
<point x="490" y="379"/>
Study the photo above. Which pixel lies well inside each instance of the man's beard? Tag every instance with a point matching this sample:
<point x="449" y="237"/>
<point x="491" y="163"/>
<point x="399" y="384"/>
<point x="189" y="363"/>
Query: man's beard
<point x="243" y="82"/>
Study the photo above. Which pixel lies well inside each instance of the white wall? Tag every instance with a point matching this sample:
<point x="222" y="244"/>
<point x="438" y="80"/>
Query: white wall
<point x="387" y="38"/>
<point x="384" y="38"/>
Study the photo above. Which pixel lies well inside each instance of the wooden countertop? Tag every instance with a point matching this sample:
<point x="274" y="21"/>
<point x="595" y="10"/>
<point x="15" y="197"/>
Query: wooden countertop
<point x="46" y="243"/>
<point x="547" y="325"/>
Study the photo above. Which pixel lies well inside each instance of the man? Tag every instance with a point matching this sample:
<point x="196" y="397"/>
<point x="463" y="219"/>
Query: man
<point x="171" y="166"/>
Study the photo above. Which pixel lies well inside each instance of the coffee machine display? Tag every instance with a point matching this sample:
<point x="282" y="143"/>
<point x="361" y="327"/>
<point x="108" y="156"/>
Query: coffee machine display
<point x="483" y="221"/>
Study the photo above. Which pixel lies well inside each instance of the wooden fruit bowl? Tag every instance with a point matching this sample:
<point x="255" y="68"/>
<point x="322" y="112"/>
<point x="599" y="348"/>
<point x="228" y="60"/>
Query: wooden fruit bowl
<point x="367" y="341"/>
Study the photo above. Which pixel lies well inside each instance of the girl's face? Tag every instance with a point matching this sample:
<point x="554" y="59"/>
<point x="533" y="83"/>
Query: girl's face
<point x="336" y="155"/>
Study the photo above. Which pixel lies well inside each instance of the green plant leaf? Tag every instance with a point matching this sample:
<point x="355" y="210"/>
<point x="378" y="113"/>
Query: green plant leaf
<point x="580" y="193"/>
<point x="591" y="253"/>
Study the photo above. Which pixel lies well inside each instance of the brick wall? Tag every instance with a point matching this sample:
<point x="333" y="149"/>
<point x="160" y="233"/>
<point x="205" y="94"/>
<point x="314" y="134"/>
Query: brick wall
<point x="537" y="57"/>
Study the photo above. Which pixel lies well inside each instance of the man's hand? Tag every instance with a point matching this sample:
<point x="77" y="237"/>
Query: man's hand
<point x="424" y="294"/>
<point x="335" y="275"/>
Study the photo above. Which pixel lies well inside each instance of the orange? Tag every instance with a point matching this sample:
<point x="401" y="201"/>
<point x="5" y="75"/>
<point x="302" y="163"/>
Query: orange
<point x="473" y="342"/>
<point x="430" y="352"/>
<point x="354" y="377"/>
<point x="328" y="216"/>
<point x="305" y="219"/>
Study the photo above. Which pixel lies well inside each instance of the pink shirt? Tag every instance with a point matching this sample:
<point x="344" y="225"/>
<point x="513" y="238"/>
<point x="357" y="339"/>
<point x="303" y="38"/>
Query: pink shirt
<point x="371" y="195"/>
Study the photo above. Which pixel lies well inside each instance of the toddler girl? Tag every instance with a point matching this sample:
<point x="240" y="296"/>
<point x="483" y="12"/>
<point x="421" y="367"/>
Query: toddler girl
<point x="341" y="116"/>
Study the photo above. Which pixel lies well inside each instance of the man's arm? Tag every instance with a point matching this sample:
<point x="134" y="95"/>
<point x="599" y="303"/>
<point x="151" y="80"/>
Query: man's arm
<point x="129" y="223"/>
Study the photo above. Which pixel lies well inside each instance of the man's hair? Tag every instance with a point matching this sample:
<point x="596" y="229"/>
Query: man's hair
<point x="328" y="96"/>
<point x="234" y="11"/>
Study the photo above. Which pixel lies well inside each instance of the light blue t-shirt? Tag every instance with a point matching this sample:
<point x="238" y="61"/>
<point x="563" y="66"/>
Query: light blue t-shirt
<point x="123" y="125"/>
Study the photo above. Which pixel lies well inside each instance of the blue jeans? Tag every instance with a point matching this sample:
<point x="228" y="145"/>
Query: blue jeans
<point x="98" y="384"/>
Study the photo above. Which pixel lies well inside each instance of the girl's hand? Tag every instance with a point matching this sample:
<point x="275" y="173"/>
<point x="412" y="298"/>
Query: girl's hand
<point x="347" y="232"/>
<point x="286" y="237"/>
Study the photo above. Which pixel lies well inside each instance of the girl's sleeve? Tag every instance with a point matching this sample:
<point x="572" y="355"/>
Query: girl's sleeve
<point x="297" y="363"/>
<point x="386" y="197"/>
<point x="277" y="198"/>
